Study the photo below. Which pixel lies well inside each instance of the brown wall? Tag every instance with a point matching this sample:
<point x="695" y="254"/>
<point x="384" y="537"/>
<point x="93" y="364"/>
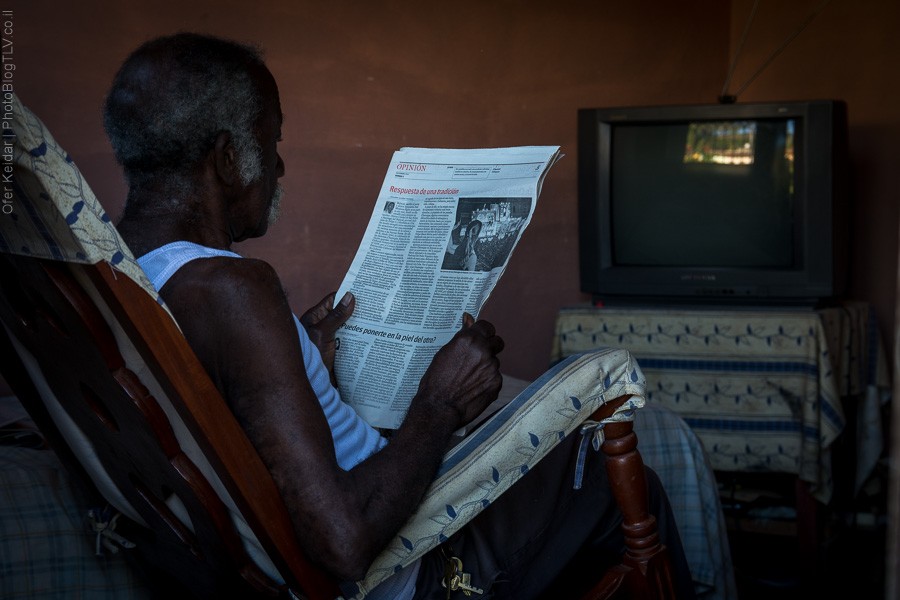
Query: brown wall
<point x="361" y="79"/>
<point x="850" y="50"/>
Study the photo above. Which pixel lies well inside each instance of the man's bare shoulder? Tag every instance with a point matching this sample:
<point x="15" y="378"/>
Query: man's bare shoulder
<point x="225" y="280"/>
<point x="236" y="318"/>
<point x="212" y="296"/>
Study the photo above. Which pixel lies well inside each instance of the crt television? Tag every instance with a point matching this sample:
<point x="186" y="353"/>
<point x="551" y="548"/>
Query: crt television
<point x="720" y="203"/>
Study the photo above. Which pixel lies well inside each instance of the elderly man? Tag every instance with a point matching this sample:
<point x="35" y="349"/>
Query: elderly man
<point x="195" y="122"/>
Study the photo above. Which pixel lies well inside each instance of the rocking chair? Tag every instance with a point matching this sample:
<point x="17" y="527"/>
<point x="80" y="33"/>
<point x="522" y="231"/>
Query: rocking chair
<point x="106" y="374"/>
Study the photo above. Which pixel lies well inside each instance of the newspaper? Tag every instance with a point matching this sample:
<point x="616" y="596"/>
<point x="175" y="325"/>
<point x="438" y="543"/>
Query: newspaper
<point x="444" y="226"/>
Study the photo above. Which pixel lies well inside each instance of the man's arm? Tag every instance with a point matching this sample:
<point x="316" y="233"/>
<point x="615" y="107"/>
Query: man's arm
<point x="235" y="315"/>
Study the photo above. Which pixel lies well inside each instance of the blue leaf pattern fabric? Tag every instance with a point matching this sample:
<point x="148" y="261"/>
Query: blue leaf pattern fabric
<point x="55" y="214"/>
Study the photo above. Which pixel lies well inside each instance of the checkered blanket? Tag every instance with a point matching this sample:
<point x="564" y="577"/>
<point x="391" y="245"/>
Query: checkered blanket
<point x="46" y="547"/>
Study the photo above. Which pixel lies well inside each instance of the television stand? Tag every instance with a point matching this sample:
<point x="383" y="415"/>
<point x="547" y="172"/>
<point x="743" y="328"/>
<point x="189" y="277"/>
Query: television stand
<point x="766" y="389"/>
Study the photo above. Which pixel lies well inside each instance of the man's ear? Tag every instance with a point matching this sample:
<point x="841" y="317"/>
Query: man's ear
<point x="225" y="159"/>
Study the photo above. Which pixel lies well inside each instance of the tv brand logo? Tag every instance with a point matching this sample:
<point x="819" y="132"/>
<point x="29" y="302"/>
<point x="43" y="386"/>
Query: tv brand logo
<point x="698" y="277"/>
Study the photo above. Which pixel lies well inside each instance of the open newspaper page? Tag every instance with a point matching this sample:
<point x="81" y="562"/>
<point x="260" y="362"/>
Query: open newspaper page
<point x="441" y="234"/>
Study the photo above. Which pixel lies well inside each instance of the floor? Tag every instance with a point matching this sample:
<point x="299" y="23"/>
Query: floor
<point x="849" y="562"/>
<point x="766" y="568"/>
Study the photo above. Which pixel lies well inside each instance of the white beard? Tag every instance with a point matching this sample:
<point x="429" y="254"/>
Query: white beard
<point x="275" y="205"/>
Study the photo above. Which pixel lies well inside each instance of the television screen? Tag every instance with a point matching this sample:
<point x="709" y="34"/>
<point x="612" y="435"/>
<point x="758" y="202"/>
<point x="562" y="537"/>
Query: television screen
<point x="713" y="202"/>
<point x="737" y="175"/>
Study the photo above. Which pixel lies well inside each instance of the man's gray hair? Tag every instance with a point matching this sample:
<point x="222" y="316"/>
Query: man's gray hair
<point x="169" y="102"/>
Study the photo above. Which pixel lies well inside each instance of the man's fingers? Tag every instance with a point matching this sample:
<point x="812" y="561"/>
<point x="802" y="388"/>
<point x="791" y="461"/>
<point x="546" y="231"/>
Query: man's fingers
<point x="340" y="313"/>
<point x="319" y="311"/>
<point x="326" y="315"/>
<point x="485" y="328"/>
<point x="345" y="307"/>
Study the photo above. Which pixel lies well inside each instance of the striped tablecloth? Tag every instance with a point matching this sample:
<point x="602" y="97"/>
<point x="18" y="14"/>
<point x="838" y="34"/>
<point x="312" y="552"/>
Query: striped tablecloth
<point x="761" y="388"/>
